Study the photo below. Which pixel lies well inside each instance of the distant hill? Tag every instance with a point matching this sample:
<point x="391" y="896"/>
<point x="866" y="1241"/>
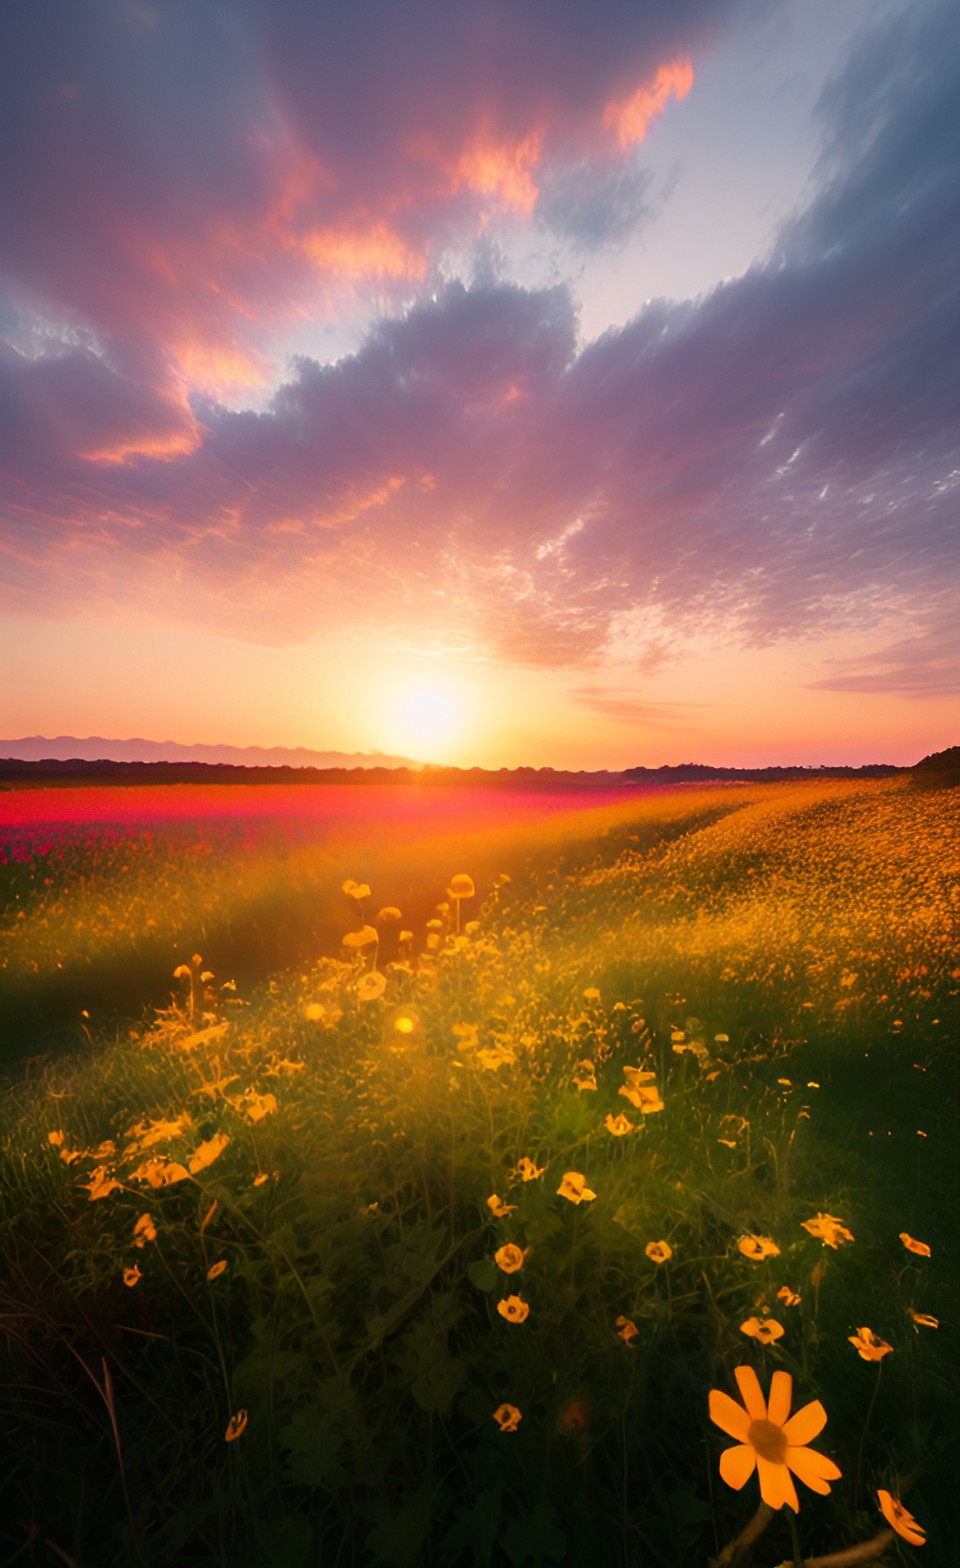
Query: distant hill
<point x="95" y="748"/>
<point x="941" y="767"/>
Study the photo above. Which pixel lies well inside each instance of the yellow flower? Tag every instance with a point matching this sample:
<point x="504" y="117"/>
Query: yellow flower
<point x="514" y="1309"/>
<point x="216" y="1269"/>
<point x="617" y="1125"/>
<point x="572" y="1187"/>
<point x="132" y="1276"/>
<point x="205" y="1153"/>
<point x="900" y="1520"/>
<point x="585" y="1077"/>
<point x="830" y="1230"/>
<point x="658" y="1251"/>
<point x="758" y="1247"/>
<point x="257" y="1106"/>
<point x="371" y="987"/>
<point x="868" y="1345"/>
<point x="366" y="937"/>
<point x="100" y="1184"/>
<point x="766" y="1330"/>
<point x="144" y="1230"/>
<point x="509" y="1258"/>
<point x="461" y="886"/>
<point x="788" y="1296"/>
<point x="645" y="1098"/>
<point x="160" y="1172"/>
<point x="499" y="1209"/>
<point x="507" y="1417"/>
<point x="356" y="890"/>
<point x="919" y="1247"/>
<point x="527" y="1171"/>
<point x="236" y="1425"/>
<point x="626" y="1329"/>
<point x="591" y="994"/>
<point x="924" y="1318"/>
<point x="770" y="1443"/>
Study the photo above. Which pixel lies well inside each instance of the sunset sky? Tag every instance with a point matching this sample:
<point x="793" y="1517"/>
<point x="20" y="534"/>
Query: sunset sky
<point x="494" y="382"/>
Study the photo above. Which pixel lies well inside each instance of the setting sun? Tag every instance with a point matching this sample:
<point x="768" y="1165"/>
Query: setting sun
<point x="426" y="716"/>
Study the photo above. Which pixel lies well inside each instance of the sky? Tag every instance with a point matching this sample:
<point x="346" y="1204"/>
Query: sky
<point x="563" y="383"/>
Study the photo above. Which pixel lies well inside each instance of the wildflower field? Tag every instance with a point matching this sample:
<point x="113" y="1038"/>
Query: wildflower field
<point x="576" y="1187"/>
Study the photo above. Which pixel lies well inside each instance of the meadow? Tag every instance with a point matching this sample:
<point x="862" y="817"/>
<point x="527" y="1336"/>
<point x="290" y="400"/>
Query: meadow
<point x="485" y="1187"/>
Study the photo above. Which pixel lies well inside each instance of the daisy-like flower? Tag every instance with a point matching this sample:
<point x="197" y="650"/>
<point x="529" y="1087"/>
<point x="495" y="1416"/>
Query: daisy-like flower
<point x="132" y="1276"/>
<point x="790" y="1298"/>
<point x="758" y="1247"/>
<point x="900" y="1520"/>
<point x="507" y="1417"/>
<point x="585" y="1076"/>
<point x="626" y="1329"/>
<point x="868" y="1345"/>
<point x="770" y="1443"/>
<point x="205" y="1153"/>
<point x="514" y="1309"/>
<point x="919" y="1247"/>
<point x="617" y="1125"/>
<point x="144" y="1230"/>
<point x="527" y="1171"/>
<point x="766" y="1330"/>
<point x="371" y="987"/>
<point x="924" y="1319"/>
<point x="828" y="1229"/>
<point x="572" y="1187"/>
<point x="236" y="1425"/>
<point x="498" y="1208"/>
<point x="509" y="1258"/>
<point x="658" y="1251"/>
<point x="101" y="1184"/>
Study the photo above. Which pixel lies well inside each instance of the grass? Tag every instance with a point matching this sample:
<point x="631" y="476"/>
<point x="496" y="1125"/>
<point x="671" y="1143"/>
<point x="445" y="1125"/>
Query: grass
<point x="299" y="1357"/>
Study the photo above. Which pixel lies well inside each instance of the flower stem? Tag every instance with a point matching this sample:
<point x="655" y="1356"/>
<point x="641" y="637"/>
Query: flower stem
<point x="794" y="1538"/>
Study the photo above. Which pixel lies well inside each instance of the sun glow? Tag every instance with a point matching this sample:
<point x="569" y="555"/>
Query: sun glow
<point x="427" y="716"/>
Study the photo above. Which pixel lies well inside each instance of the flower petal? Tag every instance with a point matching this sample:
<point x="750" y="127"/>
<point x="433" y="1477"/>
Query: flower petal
<point x="776" y="1485"/>
<point x="728" y="1415"/>
<point x="814" y="1469"/>
<point x="750" y="1392"/>
<point x="805" y="1425"/>
<point x="737" y="1465"/>
<point x="781" y="1393"/>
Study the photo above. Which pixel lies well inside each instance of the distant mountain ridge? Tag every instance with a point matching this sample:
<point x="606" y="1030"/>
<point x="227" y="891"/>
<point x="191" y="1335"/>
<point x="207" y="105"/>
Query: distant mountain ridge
<point x="95" y="748"/>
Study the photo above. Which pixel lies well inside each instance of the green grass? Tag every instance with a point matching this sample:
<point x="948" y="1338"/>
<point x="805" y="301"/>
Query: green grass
<point x="779" y="960"/>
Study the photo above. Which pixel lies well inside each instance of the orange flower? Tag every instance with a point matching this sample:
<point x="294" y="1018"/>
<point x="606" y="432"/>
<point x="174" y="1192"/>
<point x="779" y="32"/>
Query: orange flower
<point x="924" y="1318"/>
<point x="507" y="1417"/>
<point x="585" y="1076"/>
<point x="499" y="1209"/>
<point x="644" y="1099"/>
<point x="626" y="1329"/>
<point x="828" y="1229"/>
<point x="868" y="1345"/>
<point x="758" y="1247"/>
<point x="770" y="1443"/>
<point x="574" y="1416"/>
<point x="100" y="1184"/>
<point x="132" y="1276"/>
<point x="216" y="1269"/>
<point x="514" y="1309"/>
<point x="919" y="1247"/>
<point x="789" y="1297"/>
<point x="236" y="1425"/>
<point x="572" y="1187"/>
<point x="527" y="1171"/>
<point x="509" y="1258"/>
<point x="617" y="1125"/>
<point x="205" y="1153"/>
<point x="144" y="1230"/>
<point x="900" y="1520"/>
<point x="766" y="1330"/>
<point x="658" y="1251"/>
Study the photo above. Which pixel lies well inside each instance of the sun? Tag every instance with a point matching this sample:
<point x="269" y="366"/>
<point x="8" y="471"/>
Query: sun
<point x="427" y="717"/>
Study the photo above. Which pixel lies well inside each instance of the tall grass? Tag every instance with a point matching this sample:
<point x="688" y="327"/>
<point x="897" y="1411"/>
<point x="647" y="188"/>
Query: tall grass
<point x="451" y="1234"/>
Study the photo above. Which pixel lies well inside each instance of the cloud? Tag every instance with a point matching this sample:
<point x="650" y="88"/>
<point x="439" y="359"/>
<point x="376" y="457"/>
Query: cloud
<point x="625" y="708"/>
<point x="923" y="666"/>
<point x="775" y="459"/>
<point x="185" y="180"/>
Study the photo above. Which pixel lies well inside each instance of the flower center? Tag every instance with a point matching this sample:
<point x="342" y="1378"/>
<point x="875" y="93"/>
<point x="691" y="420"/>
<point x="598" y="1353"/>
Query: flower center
<point x="769" y="1440"/>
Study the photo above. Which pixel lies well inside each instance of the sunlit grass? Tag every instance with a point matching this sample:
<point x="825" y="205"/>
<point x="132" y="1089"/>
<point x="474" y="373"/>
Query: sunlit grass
<point x="429" y="1245"/>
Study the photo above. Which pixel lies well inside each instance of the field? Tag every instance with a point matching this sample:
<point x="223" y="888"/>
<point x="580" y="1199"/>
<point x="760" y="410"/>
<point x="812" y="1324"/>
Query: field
<point x="418" y="1192"/>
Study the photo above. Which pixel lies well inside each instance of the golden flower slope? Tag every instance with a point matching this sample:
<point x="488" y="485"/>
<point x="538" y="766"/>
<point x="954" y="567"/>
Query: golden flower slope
<point x="770" y="1440"/>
